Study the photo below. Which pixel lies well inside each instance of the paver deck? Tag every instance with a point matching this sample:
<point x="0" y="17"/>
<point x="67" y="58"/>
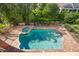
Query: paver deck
<point x="69" y="44"/>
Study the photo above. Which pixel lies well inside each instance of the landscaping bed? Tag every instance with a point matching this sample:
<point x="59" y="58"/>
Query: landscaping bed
<point x="5" y="28"/>
<point x="74" y="30"/>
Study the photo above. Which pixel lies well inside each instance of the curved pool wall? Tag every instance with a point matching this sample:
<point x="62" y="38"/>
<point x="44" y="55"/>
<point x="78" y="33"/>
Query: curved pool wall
<point x="40" y="39"/>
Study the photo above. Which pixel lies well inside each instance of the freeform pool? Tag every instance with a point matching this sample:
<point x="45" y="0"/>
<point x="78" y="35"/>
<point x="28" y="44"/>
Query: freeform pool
<point x="41" y="39"/>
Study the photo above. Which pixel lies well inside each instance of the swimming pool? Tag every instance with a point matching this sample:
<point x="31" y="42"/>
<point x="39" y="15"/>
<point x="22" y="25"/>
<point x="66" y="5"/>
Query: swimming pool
<point x="41" y="39"/>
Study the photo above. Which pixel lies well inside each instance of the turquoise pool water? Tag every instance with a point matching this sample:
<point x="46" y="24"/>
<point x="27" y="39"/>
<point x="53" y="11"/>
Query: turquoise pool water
<point x="41" y="39"/>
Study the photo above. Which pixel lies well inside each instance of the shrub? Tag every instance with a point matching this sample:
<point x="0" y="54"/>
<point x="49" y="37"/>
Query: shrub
<point x="69" y="18"/>
<point x="1" y="31"/>
<point x="35" y="15"/>
<point x="77" y="21"/>
<point x="69" y="27"/>
<point x="50" y="11"/>
<point x="3" y="26"/>
<point x="72" y="28"/>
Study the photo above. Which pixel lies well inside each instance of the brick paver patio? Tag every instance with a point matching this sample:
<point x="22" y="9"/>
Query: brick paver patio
<point x="69" y="44"/>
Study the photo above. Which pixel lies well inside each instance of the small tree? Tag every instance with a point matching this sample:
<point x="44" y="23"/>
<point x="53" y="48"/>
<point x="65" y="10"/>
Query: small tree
<point x="52" y="9"/>
<point x="43" y="11"/>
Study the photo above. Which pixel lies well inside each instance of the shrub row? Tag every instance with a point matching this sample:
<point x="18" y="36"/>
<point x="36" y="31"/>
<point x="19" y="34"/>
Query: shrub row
<point x="71" y="28"/>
